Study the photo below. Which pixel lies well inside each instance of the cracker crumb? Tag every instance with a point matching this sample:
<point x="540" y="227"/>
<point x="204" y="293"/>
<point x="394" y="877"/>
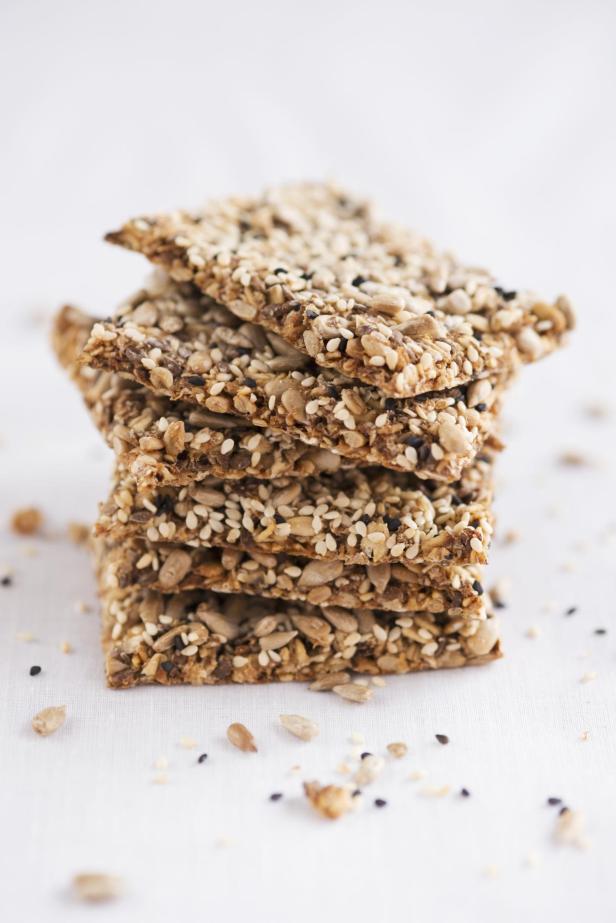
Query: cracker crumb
<point x="161" y="778"/>
<point x="161" y="763"/>
<point x="78" y="532"/>
<point x="569" y="829"/>
<point x="417" y="775"/>
<point x="533" y="632"/>
<point x="66" y="647"/>
<point x="436" y="791"/>
<point x="188" y="743"/>
<point x="27" y="521"/>
<point x="97" y="887"/>
<point x="397" y="749"/>
<point x="26" y="636"/>
<point x="491" y="871"/>
<point x="330" y="801"/>
<point x="585" y="735"/>
<point x="574" y="459"/>
<point x="532" y="859"/>
<point x="589" y="676"/>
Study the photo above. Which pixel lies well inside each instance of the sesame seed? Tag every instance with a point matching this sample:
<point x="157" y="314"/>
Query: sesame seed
<point x="34" y="671"/>
<point x="442" y="738"/>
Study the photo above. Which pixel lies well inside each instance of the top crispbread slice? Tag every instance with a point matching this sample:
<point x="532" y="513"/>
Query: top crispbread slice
<point x="372" y="300"/>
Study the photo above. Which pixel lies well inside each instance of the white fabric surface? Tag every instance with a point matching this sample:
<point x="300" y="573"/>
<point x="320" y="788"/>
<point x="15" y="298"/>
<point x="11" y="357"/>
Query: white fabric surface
<point x="490" y="127"/>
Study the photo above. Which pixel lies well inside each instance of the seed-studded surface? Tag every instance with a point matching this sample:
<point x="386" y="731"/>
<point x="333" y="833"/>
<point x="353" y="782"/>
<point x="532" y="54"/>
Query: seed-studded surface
<point x="378" y="303"/>
<point x="186" y="347"/>
<point x="174" y="568"/>
<point x="355" y="516"/>
<point x="161" y="441"/>
<point x="207" y="638"/>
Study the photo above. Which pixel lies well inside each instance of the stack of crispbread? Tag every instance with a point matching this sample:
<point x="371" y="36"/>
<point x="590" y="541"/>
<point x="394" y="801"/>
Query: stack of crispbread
<point x="304" y="408"/>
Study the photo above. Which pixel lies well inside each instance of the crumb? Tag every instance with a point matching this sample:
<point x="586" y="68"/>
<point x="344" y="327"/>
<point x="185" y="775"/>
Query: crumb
<point x="533" y="632"/>
<point x="330" y="801"/>
<point x="78" y="532"/>
<point x="27" y="521"/>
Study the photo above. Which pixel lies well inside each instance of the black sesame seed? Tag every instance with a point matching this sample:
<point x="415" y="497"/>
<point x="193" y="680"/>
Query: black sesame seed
<point x="356" y="793"/>
<point x="571" y="610"/>
<point x="390" y="403"/>
<point x="442" y="738"/>
<point x="380" y="803"/>
<point x="392" y="523"/>
<point x="196" y="380"/>
<point x="508" y="296"/>
<point x="465" y="793"/>
<point x="202" y="758"/>
<point x="552" y="801"/>
<point x="358" y="280"/>
<point x="34" y="671"/>
<point x="365" y="519"/>
<point x="481" y="407"/>
<point x="251" y="382"/>
<point x="307" y="276"/>
<point x="498" y="604"/>
<point x="600" y="631"/>
<point x="279" y="270"/>
<point x="342" y="346"/>
<point x="364" y="755"/>
<point x="477" y="587"/>
<point x="564" y="810"/>
<point x="275" y="796"/>
<point x="178" y="643"/>
<point x="415" y="441"/>
<point x="167" y="666"/>
<point x="311" y="314"/>
<point x="6" y="581"/>
<point x="279" y="518"/>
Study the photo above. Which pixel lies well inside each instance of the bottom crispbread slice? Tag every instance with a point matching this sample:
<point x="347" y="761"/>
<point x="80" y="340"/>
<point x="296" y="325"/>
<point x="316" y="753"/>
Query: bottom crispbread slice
<point x="205" y="638"/>
<point x="176" y="568"/>
<point x="367" y="516"/>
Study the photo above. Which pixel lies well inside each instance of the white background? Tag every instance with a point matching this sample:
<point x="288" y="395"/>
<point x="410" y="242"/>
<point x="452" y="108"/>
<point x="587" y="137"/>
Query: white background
<point x="490" y="127"/>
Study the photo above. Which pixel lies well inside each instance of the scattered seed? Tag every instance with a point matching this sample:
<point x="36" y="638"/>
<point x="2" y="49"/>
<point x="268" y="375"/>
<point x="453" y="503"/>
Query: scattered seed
<point x="240" y="737"/>
<point x="417" y="774"/>
<point x="397" y="749"/>
<point x="600" y="631"/>
<point x="589" y="676"/>
<point x="569" y="829"/>
<point x="34" y="671"/>
<point x="369" y="769"/>
<point x="464" y="792"/>
<point x="6" y="580"/>
<point x="353" y="692"/>
<point x="442" y="738"/>
<point x="554" y="801"/>
<point x="66" y="647"/>
<point x="202" y="758"/>
<point x="96" y="887"/>
<point x="571" y="610"/>
<point x="380" y="803"/>
<point x="275" y="796"/>
<point x="188" y="743"/>
<point x="49" y="720"/>
<point x="300" y="727"/>
<point x="533" y="632"/>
